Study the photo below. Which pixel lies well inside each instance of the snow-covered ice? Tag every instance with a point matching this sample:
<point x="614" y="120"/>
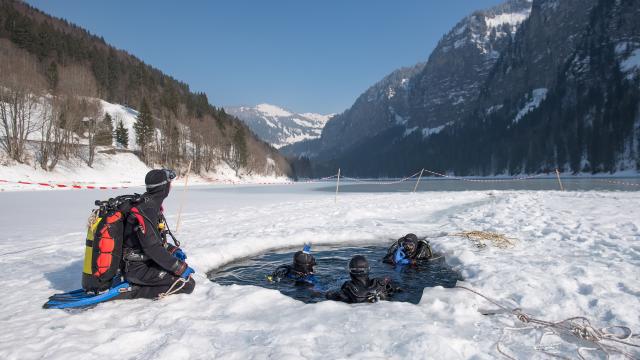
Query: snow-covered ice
<point x="577" y="254"/>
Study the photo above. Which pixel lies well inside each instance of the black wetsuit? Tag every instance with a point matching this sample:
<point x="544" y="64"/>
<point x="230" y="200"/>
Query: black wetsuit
<point x="423" y="252"/>
<point x="148" y="263"/>
<point x="363" y="289"/>
<point x="289" y="272"/>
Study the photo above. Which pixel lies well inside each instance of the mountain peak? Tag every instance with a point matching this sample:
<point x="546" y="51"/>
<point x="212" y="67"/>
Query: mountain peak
<point x="272" y="110"/>
<point x="279" y="126"/>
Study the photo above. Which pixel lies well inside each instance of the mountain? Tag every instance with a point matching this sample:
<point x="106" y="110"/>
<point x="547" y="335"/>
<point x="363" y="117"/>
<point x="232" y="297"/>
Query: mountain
<point x="65" y="67"/>
<point x="512" y="90"/>
<point x="429" y="96"/>
<point x="382" y="106"/>
<point x="443" y="92"/>
<point x="280" y="127"/>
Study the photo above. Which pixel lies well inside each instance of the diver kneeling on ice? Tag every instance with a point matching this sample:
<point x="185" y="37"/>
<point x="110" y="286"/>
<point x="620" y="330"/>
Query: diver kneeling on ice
<point x="301" y="272"/>
<point x="152" y="265"/>
<point x="361" y="288"/>
<point x="408" y="250"/>
<point x="126" y="251"/>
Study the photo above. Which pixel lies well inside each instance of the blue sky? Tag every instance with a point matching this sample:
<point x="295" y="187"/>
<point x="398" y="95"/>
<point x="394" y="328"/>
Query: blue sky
<point x="307" y="56"/>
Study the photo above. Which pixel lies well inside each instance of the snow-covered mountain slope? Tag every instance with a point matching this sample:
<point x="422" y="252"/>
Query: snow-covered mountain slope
<point x="434" y="94"/>
<point x="126" y="115"/>
<point x="278" y="126"/>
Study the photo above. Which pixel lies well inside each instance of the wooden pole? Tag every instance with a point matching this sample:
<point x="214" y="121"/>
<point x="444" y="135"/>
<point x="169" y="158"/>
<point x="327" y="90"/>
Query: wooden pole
<point x="559" y="181"/>
<point x="337" y="186"/>
<point x="184" y="196"/>
<point x="418" y="182"/>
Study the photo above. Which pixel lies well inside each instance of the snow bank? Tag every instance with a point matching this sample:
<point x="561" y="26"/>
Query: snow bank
<point x="576" y="254"/>
<point x="119" y="169"/>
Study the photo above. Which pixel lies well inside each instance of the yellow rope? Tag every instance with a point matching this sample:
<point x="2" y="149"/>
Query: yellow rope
<point x="479" y="238"/>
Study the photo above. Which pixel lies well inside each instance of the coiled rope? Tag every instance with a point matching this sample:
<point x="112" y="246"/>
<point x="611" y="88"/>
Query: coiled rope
<point x="175" y="287"/>
<point x="579" y="327"/>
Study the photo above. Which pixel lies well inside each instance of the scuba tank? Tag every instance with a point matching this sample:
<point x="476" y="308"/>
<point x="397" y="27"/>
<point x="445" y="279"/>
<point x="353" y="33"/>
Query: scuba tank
<point x="104" y="243"/>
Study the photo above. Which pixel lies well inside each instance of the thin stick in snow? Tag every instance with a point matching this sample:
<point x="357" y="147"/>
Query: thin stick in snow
<point x="184" y="196"/>
<point x="418" y="182"/>
<point x="337" y="186"/>
<point x="559" y="181"/>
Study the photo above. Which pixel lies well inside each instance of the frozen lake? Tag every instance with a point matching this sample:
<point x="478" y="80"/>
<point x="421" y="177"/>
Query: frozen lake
<point x="576" y="253"/>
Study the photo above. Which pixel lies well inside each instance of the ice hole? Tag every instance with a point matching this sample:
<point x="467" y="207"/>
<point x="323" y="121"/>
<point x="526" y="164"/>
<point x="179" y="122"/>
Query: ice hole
<point x="331" y="271"/>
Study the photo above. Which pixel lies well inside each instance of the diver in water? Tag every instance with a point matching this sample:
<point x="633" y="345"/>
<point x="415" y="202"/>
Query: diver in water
<point x="301" y="271"/>
<point x="361" y="288"/>
<point x="408" y="250"/>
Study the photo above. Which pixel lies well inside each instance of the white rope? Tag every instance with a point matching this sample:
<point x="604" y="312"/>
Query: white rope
<point x="617" y="182"/>
<point x="173" y="289"/>
<point x="313" y="181"/>
<point x="580" y="327"/>
<point x="382" y="182"/>
<point x="483" y="180"/>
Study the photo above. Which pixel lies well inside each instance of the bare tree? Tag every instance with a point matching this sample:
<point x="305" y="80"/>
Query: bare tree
<point x="20" y="84"/>
<point x="77" y="80"/>
<point x="46" y="134"/>
<point x="17" y="116"/>
<point x="91" y="121"/>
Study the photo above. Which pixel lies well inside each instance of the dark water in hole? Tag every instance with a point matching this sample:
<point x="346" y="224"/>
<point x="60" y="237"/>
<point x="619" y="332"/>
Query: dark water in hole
<point x="331" y="272"/>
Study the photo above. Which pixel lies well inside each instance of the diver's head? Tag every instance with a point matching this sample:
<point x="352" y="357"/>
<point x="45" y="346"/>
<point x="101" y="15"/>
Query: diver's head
<point x="158" y="181"/>
<point x="303" y="262"/>
<point x="359" y="266"/>
<point x="410" y="244"/>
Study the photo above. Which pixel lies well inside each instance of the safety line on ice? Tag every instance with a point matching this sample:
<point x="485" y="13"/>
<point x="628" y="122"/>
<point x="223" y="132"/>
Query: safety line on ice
<point x="57" y="185"/>
<point x="80" y="185"/>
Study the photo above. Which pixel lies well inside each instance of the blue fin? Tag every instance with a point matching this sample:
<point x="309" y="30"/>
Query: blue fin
<point x="79" y="298"/>
<point x="75" y="294"/>
<point x="306" y="249"/>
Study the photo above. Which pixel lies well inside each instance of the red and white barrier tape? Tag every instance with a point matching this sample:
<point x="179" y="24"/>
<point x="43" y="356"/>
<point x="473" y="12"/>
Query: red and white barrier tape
<point x="62" y="186"/>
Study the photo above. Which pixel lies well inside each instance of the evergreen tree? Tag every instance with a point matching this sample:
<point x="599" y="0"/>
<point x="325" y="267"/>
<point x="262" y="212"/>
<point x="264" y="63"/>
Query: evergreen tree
<point x="104" y="135"/>
<point x="144" y="127"/>
<point x="240" y="152"/>
<point x="52" y="75"/>
<point x="122" y="135"/>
